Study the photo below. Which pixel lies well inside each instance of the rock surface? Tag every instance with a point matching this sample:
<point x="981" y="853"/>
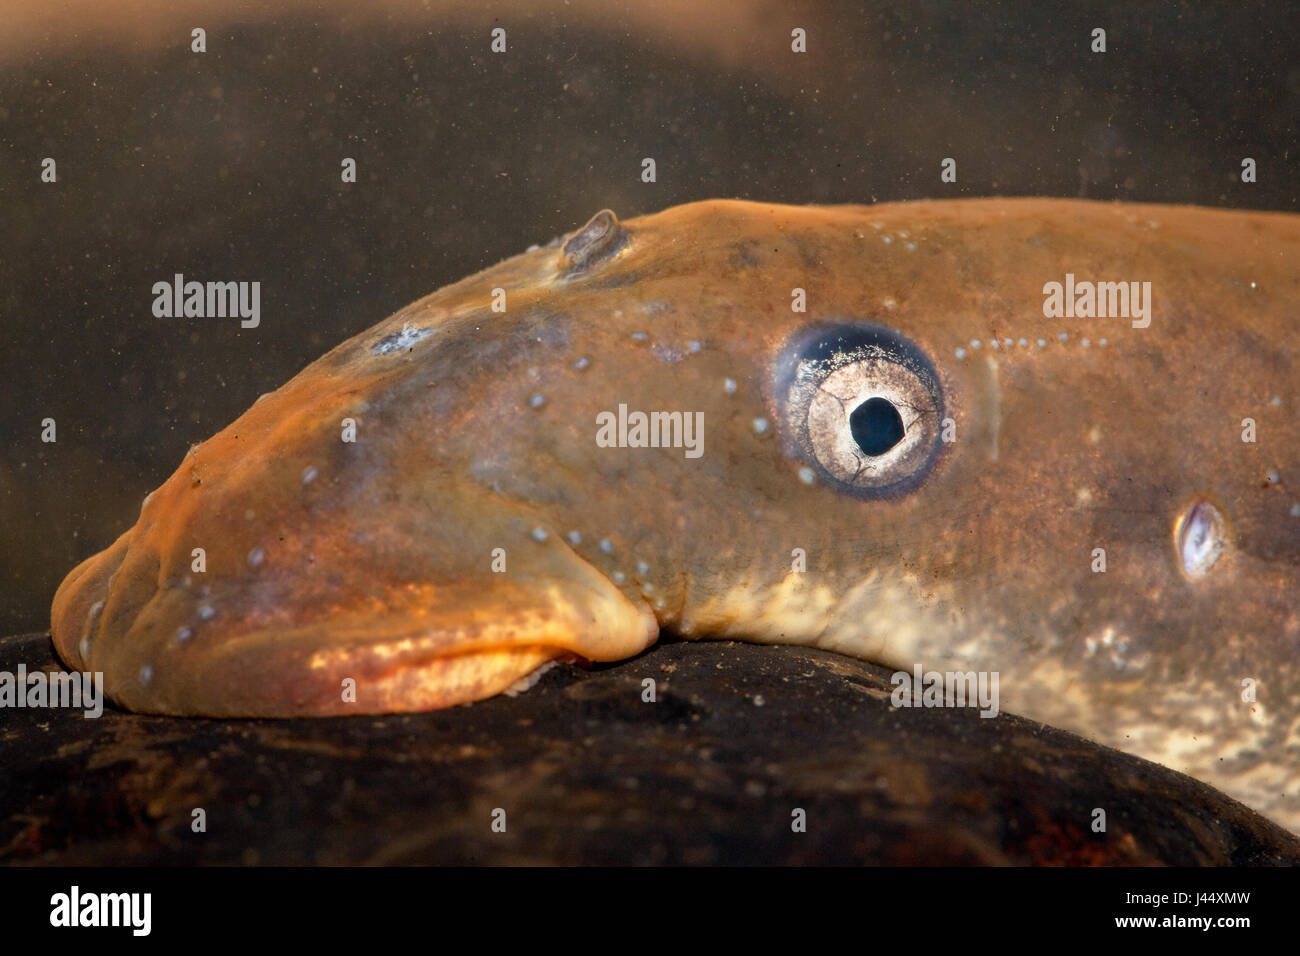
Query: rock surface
<point x="738" y="740"/>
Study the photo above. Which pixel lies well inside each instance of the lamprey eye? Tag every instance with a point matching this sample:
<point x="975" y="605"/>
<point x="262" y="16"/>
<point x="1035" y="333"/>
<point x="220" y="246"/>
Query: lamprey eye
<point x="864" y="407"/>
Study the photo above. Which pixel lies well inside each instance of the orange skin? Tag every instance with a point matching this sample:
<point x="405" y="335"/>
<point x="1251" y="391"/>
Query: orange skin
<point x="379" y="570"/>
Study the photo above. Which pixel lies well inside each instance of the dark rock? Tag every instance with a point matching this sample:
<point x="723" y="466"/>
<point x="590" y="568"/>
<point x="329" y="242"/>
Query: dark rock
<point x="739" y="738"/>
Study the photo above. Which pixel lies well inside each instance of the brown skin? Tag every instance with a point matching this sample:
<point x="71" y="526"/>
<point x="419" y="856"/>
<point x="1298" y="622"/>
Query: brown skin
<point x="380" y="569"/>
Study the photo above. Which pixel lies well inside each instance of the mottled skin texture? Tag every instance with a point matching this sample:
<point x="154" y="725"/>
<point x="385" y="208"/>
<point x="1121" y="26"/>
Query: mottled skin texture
<point x="379" y="569"/>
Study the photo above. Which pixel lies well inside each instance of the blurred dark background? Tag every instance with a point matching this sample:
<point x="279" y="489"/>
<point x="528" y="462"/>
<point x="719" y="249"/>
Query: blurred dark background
<point x="225" y="165"/>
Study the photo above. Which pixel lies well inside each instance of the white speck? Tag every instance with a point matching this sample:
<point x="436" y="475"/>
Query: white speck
<point x="693" y="345"/>
<point x="888" y="239"/>
<point x="994" y="343"/>
<point x="606" y="545"/>
<point x="961" y="352"/>
<point x="639" y="336"/>
<point x="1276" y="400"/>
<point x="1272" y="476"/>
<point x="974" y="343"/>
<point x="539" y="534"/>
<point x="1103" y="342"/>
<point x="1295" y="511"/>
<point x="659" y="603"/>
<point x="729" y="385"/>
<point x="1252" y="285"/>
<point x="1087" y="342"/>
<point x="1063" y="336"/>
<point x="1042" y="343"/>
<point x="619" y="577"/>
<point x="581" y="363"/>
<point x="758" y="700"/>
<point x="574" y="537"/>
<point x="256" y="557"/>
<point x="1023" y="343"/>
<point x="536" y="400"/>
<point x="1008" y="341"/>
<point x="183" y="635"/>
<point x="309" y="474"/>
<point x="760" y="426"/>
<point x="207" y="612"/>
<point x="902" y="235"/>
<point x="911" y="247"/>
<point x="806" y="475"/>
<point x="642" y="568"/>
<point x="146" y="674"/>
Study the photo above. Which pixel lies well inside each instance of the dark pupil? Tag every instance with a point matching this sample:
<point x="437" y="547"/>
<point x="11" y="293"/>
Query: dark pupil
<point x="876" y="426"/>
